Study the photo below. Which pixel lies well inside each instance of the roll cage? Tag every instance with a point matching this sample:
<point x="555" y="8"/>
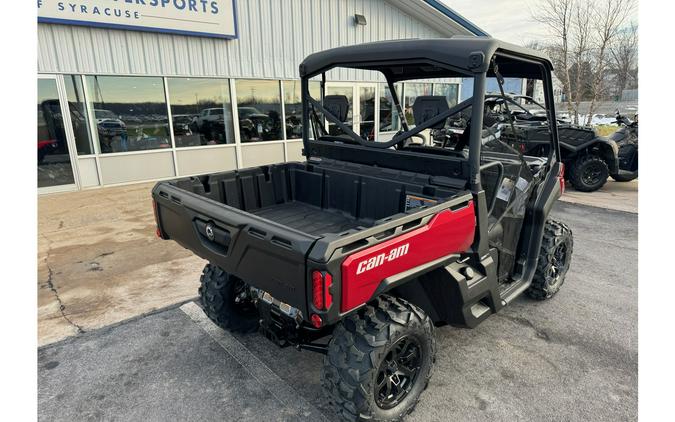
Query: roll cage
<point x="404" y="60"/>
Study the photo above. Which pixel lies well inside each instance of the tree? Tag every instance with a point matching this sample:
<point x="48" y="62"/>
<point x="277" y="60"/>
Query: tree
<point x="624" y="53"/>
<point x="609" y="18"/>
<point x="557" y="16"/>
<point x="585" y="35"/>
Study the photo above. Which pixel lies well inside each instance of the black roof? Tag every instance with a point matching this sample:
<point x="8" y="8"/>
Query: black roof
<point x="429" y="58"/>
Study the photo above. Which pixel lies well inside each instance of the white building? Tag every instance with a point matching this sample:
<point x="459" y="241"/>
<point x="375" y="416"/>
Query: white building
<point x="164" y="88"/>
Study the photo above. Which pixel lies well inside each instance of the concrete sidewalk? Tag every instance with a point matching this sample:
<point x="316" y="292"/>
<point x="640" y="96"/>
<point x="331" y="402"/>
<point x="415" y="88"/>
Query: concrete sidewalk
<point x="619" y="196"/>
<point x="99" y="261"/>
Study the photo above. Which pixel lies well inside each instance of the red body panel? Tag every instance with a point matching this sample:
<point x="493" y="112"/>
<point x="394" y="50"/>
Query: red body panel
<point x="46" y="143"/>
<point x="448" y="232"/>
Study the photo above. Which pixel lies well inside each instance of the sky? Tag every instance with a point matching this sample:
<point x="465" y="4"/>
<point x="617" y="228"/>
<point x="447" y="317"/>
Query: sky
<point x="507" y="20"/>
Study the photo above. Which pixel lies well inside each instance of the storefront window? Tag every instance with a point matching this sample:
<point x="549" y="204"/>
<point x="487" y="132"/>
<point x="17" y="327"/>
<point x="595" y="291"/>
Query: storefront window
<point x="78" y="114"/>
<point x="201" y="111"/>
<point x="389" y="121"/>
<point x="293" y="105"/>
<point x="412" y="91"/>
<point x="259" y="108"/>
<point x="130" y="112"/>
<point x="53" y="160"/>
<point x="449" y="91"/>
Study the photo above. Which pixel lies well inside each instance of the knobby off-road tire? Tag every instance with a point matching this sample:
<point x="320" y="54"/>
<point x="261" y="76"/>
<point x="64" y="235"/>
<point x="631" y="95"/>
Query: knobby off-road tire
<point x="555" y="257"/>
<point x="588" y="173"/>
<point x="358" y="369"/>
<point x="219" y="293"/>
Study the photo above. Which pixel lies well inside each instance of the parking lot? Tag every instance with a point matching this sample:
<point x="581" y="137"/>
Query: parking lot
<point x="571" y="358"/>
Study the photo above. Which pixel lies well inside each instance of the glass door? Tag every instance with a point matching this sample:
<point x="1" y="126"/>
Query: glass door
<point x="54" y="158"/>
<point x="346" y="89"/>
<point x="367" y="109"/>
<point x="363" y="107"/>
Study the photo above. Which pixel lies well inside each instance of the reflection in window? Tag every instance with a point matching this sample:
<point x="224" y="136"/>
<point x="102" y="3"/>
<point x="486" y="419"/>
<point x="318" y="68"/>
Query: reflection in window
<point x="259" y="108"/>
<point x="78" y="113"/>
<point x="412" y="91"/>
<point x="130" y="112"/>
<point x="201" y="111"/>
<point x="293" y="105"/>
<point x="449" y="91"/>
<point x="389" y="121"/>
<point x="52" y="147"/>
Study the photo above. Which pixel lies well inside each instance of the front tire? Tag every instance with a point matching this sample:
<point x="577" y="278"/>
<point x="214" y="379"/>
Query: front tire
<point x="589" y="173"/>
<point x="226" y="301"/>
<point x="555" y="257"/>
<point x="379" y="361"/>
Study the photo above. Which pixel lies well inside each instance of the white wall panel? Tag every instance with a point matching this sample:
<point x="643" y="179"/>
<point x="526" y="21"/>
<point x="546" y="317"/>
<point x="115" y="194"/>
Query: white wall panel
<point x="261" y="153"/>
<point x="136" y="167"/>
<point x="294" y="151"/>
<point x="275" y="35"/>
<point x="205" y="160"/>
<point x="88" y="173"/>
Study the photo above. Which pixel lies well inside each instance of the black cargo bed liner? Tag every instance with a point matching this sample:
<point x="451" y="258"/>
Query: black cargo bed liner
<point x="310" y="219"/>
<point x="333" y="197"/>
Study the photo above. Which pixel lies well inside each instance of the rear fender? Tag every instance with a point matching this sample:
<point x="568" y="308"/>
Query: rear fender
<point x="602" y="147"/>
<point x="374" y="270"/>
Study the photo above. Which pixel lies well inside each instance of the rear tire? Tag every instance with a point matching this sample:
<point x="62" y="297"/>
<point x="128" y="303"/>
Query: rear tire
<point x="555" y="257"/>
<point x="588" y="173"/>
<point x="225" y="301"/>
<point x="379" y="361"/>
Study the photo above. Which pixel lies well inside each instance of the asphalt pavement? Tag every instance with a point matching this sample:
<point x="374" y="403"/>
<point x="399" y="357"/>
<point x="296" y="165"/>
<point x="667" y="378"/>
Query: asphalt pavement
<point x="574" y="357"/>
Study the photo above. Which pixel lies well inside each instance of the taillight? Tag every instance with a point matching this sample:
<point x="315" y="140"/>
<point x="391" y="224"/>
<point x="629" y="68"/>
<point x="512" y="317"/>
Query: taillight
<point x="158" y="230"/>
<point x="322" y="299"/>
<point x="561" y="178"/>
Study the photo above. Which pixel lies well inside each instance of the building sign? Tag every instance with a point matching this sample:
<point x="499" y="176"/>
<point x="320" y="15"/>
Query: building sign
<point x="206" y="18"/>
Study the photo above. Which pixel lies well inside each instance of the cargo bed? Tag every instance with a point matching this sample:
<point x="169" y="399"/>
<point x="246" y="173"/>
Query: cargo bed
<point x="309" y="218"/>
<point x="261" y="224"/>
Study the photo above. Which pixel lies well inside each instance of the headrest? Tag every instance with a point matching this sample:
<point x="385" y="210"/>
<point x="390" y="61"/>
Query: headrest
<point x="426" y="107"/>
<point x="337" y="105"/>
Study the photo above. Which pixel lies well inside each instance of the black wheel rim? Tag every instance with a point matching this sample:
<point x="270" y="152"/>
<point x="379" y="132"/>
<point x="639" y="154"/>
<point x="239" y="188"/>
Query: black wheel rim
<point x="593" y="174"/>
<point x="243" y="303"/>
<point x="559" y="263"/>
<point x="398" y="372"/>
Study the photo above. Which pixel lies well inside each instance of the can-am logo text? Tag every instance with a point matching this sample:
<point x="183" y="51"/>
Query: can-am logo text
<point x="380" y="259"/>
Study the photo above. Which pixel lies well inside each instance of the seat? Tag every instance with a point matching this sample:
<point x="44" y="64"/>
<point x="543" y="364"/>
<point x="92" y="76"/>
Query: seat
<point x="426" y="107"/>
<point x="337" y="105"/>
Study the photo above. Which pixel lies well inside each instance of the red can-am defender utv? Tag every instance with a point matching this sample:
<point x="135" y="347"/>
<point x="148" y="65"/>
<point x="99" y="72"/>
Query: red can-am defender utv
<point x="378" y="242"/>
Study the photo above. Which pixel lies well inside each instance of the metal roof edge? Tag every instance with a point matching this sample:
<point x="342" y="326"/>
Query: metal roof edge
<point x="461" y="20"/>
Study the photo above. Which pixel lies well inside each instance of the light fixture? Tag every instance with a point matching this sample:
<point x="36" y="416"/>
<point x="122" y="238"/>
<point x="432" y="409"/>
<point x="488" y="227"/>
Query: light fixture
<point x="360" y="19"/>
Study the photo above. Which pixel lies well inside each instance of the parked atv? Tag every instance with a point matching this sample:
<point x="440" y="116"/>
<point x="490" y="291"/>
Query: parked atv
<point x="627" y="140"/>
<point x="375" y="244"/>
<point x="589" y="158"/>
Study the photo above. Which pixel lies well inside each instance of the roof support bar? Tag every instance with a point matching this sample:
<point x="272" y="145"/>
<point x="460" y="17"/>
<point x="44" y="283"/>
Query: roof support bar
<point x="475" y="141"/>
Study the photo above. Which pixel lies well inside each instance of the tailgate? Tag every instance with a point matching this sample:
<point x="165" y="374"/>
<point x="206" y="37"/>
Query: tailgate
<point x="266" y="255"/>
